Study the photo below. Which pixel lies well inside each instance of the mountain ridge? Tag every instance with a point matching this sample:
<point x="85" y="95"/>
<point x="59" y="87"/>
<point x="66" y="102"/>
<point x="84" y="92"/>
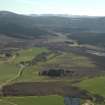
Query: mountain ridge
<point x="29" y="27"/>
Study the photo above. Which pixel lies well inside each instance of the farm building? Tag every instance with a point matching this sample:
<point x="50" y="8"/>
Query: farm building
<point x="56" y="72"/>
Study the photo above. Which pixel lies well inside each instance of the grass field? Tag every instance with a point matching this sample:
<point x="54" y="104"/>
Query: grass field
<point x="28" y="54"/>
<point x="8" y="66"/>
<point x="71" y="60"/>
<point x="7" y="71"/>
<point x="30" y="75"/>
<point x="34" y="100"/>
<point x="66" y="60"/>
<point x="95" y="85"/>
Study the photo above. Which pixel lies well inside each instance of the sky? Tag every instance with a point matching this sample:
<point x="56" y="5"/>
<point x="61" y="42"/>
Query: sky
<point x="71" y="7"/>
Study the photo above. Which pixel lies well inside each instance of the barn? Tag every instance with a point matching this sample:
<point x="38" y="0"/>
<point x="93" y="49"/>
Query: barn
<point x="56" y="72"/>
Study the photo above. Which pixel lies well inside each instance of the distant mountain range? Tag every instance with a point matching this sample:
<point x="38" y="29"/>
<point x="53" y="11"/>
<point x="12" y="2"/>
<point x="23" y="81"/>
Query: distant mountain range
<point x="82" y="28"/>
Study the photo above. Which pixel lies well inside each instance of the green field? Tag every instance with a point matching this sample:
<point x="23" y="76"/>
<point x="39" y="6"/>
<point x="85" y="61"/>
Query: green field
<point x="8" y="66"/>
<point x="30" y="75"/>
<point x="7" y="71"/>
<point x="28" y="54"/>
<point x="66" y="60"/>
<point x="95" y="85"/>
<point x="71" y="60"/>
<point x="34" y="100"/>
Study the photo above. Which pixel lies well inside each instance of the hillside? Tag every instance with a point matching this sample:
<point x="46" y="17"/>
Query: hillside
<point x="88" y="30"/>
<point x="19" y="26"/>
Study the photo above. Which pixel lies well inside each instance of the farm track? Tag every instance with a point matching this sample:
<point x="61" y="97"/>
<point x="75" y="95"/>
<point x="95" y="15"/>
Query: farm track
<point x="14" y="78"/>
<point x="20" y="71"/>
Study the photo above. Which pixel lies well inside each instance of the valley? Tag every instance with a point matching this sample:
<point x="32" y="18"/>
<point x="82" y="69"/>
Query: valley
<point x="57" y="55"/>
<point x="46" y="59"/>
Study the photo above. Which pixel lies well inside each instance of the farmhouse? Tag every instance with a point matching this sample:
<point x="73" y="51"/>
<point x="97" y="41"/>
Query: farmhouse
<point x="56" y="72"/>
